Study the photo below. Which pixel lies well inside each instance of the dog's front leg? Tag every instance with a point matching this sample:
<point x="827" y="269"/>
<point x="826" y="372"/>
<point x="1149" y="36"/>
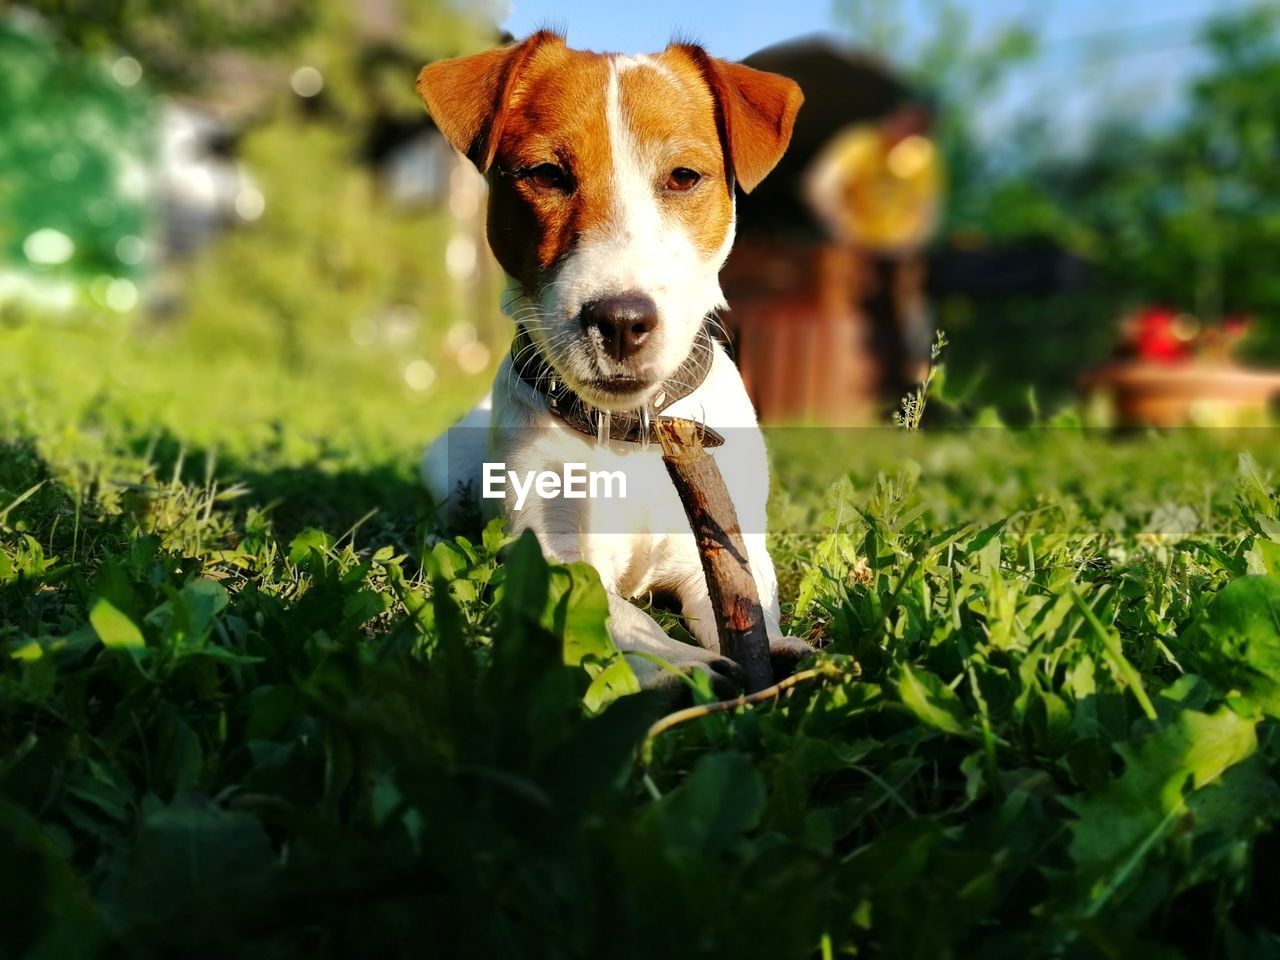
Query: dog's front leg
<point x="644" y="644"/>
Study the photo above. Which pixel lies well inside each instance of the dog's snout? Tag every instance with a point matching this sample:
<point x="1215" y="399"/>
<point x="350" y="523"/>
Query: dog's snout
<point x="624" y="322"/>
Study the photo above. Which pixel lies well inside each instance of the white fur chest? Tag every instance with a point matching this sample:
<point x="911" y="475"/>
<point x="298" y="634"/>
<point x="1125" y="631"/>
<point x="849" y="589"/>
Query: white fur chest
<point x="639" y="541"/>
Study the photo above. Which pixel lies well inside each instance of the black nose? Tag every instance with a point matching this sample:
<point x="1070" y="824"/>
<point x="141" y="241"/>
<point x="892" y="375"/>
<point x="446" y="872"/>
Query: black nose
<point x="624" y="322"/>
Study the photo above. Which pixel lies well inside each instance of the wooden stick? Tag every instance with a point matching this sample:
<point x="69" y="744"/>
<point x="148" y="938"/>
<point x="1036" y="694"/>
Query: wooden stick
<point x="663" y="724"/>
<point x="734" y="598"/>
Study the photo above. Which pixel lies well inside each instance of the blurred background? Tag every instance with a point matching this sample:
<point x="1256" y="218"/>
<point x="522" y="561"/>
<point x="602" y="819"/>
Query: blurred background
<point x="237" y="210"/>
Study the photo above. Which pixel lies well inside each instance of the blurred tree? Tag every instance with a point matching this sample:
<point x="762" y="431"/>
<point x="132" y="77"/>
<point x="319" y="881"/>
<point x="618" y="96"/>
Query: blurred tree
<point x="77" y="119"/>
<point x="1188" y="215"/>
<point x="73" y="149"/>
<point x="873" y="24"/>
<point x="175" y="41"/>
<point x="1217" y="202"/>
<point x="331" y="276"/>
<point x="172" y="39"/>
<point x="1185" y="214"/>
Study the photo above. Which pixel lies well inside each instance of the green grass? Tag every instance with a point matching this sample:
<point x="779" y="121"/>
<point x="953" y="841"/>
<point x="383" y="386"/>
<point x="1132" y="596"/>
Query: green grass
<point x="251" y="706"/>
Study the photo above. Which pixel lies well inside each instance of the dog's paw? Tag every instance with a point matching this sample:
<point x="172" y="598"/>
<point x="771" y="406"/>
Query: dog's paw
<point x="728" y="679"/>
<point x="785" y="653"/>
<point x="726" y="676"/>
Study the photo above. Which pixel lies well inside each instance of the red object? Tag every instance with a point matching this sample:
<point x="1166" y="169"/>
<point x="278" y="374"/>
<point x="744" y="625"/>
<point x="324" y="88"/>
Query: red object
<point x="1235" y="324"/>
<point x="1155" y="336"/>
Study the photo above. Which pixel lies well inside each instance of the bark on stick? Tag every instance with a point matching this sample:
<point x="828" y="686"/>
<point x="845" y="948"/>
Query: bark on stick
<point x="734" y="598"/>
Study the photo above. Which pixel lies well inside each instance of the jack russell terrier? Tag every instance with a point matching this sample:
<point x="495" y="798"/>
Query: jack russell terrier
<point x="611" y="209"/>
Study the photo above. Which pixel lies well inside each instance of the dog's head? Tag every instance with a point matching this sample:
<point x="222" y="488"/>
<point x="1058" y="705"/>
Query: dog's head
<point x="611" y="193"/>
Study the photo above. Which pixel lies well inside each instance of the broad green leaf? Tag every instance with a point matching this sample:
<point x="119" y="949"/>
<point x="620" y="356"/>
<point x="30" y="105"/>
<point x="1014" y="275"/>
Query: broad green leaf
<point x="308" y="540"/>
<point x="178" y="761"/>
<point x="185" y="853"/>
<point x="202" y="600"/>
<point x="274" y="709"/>
<point x="932" y="700"/>
<point x="114" y="629"/>
<point x="1050" y="721"/>
<point x="45" y="907"/>
<point x="615" y="680"/>
<point x="722" y="798"/>
<point x="1238" y="643"/>
<point x="524" y="589"/>
<point x="578" y="609"/>
<point x="980" y="546"/>
<point x="494" y="537"/>
<point x="1118" y="824"/>
<point x="1264" y="557"/>
<point x="1236" y="808"/>
<point x="450" y="559"/>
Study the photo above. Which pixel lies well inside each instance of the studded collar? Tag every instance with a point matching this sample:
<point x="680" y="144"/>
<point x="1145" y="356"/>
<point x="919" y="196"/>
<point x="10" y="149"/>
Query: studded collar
<point x="633" y="426"/>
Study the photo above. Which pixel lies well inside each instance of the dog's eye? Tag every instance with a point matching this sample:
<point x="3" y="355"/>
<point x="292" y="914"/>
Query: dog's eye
<point x="682" y="178"/>
<point x="547" y="176"/>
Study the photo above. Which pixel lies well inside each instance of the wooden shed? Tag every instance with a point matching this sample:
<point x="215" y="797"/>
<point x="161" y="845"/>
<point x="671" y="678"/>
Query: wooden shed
<point x="828" y="322"/>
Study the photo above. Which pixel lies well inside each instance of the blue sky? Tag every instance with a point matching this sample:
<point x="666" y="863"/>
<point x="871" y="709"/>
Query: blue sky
<point x="1098" y="55"/>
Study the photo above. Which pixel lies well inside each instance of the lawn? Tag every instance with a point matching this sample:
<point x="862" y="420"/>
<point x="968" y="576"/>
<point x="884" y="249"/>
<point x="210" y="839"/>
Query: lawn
<point x="252" y="704"/>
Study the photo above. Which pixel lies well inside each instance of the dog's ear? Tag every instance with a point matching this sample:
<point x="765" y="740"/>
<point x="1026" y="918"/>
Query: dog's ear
<point x="467" y="97"/>
<point x="756" y="112"/>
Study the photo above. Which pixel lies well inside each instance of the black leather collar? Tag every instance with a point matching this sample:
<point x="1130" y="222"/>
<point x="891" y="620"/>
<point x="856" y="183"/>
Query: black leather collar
<point x="633" y="426"/>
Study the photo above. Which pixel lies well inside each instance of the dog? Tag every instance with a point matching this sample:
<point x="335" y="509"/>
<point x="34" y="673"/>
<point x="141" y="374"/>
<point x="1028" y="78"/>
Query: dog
<point x="611" y="210"/>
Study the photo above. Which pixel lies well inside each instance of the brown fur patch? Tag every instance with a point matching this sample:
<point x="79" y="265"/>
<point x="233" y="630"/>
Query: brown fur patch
<point x="757" y="111"/>
<point x="468" y="96"/>
<point x="672" y="116"/>
<point x="556" y="115"/>
<point x="537" y="102"/>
